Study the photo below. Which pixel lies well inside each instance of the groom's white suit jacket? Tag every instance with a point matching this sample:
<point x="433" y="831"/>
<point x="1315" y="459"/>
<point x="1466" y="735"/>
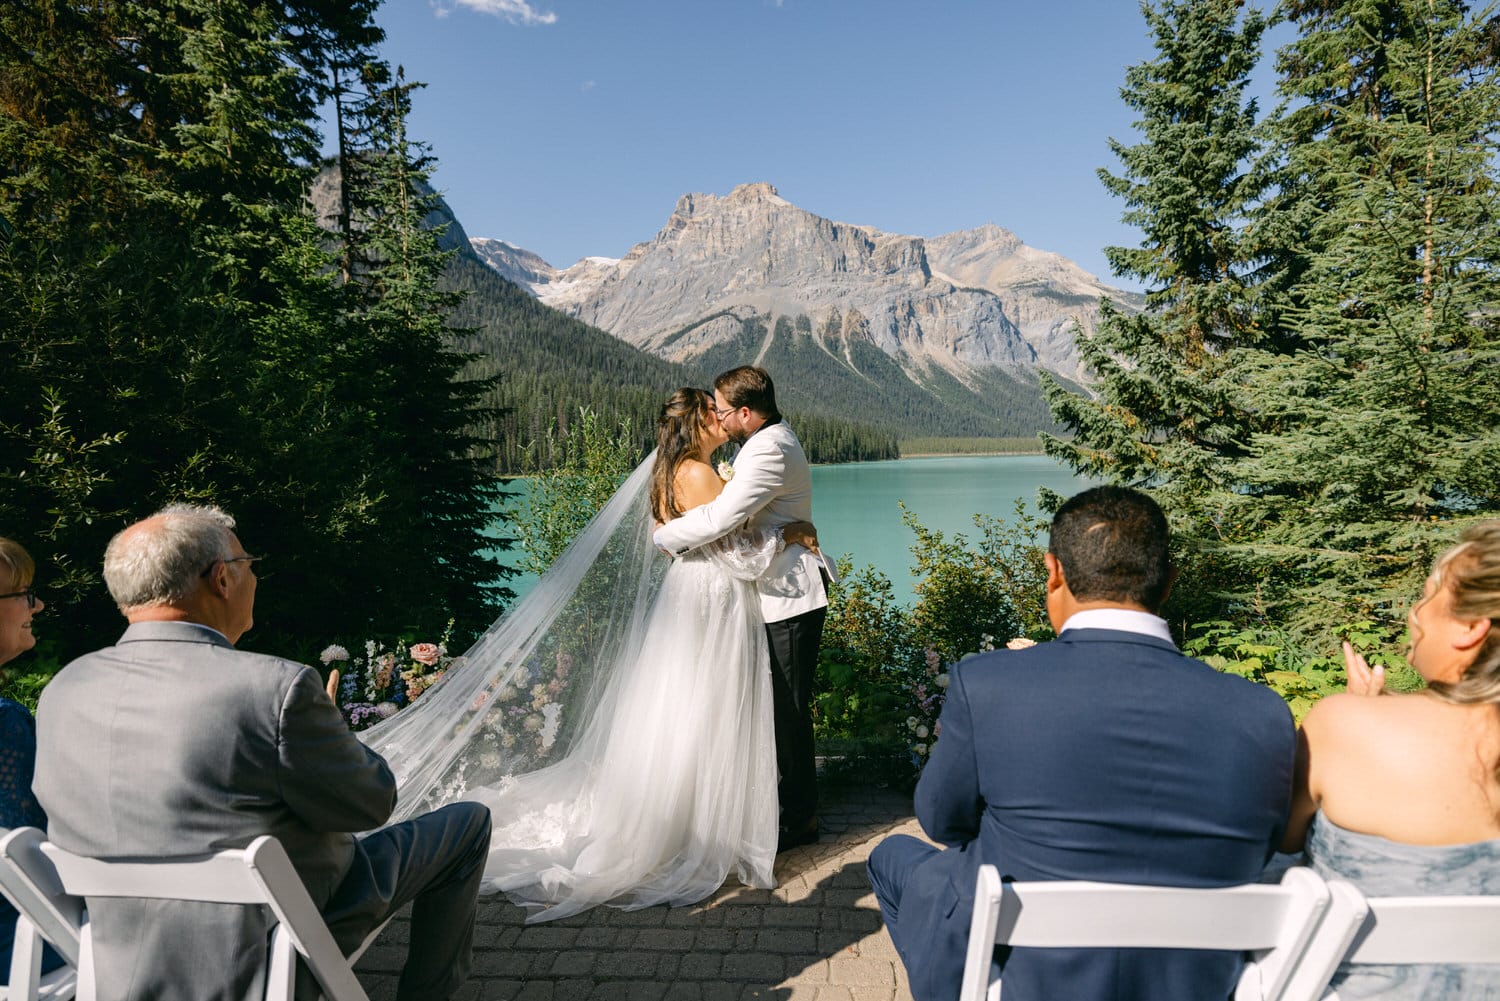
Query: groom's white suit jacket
<point x="772" y="485"/>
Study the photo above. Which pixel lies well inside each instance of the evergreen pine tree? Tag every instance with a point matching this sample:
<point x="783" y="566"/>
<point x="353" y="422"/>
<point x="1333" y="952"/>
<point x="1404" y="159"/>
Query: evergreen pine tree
<point x="1165" y="413"/>
<point x="1378" y="439"/>
<point x="435" y="488"/>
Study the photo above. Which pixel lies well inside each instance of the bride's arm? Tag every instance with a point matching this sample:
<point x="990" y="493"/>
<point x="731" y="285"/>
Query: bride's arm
<point x="759" y="475"/>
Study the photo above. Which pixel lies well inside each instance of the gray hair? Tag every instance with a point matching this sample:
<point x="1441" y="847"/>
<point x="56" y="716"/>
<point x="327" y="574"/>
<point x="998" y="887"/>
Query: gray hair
<point x="158" y="561"/>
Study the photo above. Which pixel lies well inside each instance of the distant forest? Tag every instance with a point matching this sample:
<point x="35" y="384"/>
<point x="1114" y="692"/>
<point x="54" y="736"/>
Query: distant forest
<point x="542" y="367"/>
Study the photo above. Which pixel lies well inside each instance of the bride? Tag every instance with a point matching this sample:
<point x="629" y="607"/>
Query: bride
<point x="617" y="722"/>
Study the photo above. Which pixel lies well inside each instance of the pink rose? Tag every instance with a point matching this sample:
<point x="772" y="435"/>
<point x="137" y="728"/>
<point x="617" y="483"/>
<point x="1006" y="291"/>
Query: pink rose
<point x="426" y="653"/>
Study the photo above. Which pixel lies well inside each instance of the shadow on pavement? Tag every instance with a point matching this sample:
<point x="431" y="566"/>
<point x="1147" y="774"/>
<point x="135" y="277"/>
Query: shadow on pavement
<point x="816" y="937"/>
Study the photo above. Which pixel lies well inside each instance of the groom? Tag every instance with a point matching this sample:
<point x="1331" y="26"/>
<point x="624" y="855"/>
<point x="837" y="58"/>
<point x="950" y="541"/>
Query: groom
<point x="772" y="485"/>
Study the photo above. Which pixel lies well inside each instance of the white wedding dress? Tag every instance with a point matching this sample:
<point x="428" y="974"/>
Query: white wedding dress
<point x="617" y="723"/>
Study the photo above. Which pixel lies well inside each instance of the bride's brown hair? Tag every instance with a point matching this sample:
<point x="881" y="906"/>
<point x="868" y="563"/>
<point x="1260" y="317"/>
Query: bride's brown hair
<point x="679" y="429"/>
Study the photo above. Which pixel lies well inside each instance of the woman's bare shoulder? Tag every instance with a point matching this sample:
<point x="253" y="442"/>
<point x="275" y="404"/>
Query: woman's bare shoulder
<point x="696" y="483"/>
<point x="1343" y="711"/>
<point x="1374" y="724"/>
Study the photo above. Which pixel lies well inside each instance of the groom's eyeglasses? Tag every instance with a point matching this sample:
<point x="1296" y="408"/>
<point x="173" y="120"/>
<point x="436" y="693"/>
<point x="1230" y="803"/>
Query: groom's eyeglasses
<point x="721" y="414"/>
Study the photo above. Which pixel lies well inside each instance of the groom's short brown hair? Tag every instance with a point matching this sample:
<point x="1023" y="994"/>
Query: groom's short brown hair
<point x="749" y="386"/>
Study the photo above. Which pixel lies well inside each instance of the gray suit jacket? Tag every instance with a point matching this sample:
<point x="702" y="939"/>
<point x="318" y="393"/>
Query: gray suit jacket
<point x="172" y="742"/>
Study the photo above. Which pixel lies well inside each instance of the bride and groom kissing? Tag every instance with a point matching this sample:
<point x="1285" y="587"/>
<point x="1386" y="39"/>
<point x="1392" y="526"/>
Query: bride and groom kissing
<point x="691" y="755"/>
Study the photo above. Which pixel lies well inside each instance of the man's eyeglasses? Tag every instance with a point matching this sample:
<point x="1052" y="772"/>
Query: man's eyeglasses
<point x="230" y="559"/>
<point x="29" y="594"/>
<point x="721" y="414"/>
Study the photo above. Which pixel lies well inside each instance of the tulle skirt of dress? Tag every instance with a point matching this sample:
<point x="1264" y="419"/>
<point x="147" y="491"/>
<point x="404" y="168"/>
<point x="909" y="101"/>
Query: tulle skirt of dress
<point x="672" y="785"/>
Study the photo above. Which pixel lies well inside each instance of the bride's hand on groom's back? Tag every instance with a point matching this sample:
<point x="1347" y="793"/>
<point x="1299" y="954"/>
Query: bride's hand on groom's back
<point x="800" y="533"/>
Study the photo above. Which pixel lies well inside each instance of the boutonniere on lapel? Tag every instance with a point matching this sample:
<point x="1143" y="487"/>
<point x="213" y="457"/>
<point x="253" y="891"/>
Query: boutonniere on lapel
<point x="725" y="470"/>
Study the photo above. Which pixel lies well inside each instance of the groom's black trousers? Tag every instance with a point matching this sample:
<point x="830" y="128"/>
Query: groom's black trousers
<point x="794" y="667"/>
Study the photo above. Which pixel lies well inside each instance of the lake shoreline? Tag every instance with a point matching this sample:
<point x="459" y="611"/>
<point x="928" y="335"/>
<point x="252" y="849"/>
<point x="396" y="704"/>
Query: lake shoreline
<point x="945" y="455"/>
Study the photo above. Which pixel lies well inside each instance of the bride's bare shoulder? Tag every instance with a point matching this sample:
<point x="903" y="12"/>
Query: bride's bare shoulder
<point x="695" y="483"/>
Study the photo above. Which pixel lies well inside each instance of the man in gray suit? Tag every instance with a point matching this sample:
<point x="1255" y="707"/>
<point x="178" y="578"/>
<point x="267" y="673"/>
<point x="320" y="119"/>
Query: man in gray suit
<point x="172" y="742"/>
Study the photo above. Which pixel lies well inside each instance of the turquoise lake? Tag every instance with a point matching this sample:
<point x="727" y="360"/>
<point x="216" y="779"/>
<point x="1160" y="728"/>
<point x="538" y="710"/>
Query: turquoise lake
<point x="855" y="504"/>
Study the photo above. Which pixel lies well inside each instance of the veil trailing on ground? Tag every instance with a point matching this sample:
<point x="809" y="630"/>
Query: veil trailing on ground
<point x="525" y="691"/>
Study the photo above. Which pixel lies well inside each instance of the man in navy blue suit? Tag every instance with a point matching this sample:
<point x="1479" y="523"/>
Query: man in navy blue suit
<point x="1105" y="755"/>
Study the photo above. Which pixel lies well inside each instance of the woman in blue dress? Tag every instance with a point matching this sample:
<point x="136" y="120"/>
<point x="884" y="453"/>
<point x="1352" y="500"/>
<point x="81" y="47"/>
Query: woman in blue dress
<point x="1400" y="794"/>
<point x="18" y="807"/>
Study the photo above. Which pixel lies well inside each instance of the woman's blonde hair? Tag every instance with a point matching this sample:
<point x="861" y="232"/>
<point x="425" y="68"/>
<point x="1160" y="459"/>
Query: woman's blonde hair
<point x="679" y="429"/>
<point x="17" y="563"/>
<point x="1471" y="572"/>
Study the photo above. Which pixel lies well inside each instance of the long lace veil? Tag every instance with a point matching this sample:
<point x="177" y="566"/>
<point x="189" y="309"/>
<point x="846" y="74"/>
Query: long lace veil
<point x="521" y="695"/>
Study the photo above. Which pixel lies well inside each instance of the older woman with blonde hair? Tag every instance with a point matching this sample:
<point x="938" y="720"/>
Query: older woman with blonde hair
<point x="18" y="807"/>
<point x="1401" y="794"/>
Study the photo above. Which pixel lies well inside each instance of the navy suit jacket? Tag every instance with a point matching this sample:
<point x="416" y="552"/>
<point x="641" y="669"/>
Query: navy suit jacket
<point x="1103" y="755"/>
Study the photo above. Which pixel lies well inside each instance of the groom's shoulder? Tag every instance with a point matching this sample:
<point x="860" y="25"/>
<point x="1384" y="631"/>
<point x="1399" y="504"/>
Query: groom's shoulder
<point x="771" y="439"/>
<point x="783" y="437"/>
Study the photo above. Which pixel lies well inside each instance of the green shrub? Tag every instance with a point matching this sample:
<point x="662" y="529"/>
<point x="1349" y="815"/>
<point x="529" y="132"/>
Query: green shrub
<point x="1270" y="656"/>
<point x="884" y="667"/>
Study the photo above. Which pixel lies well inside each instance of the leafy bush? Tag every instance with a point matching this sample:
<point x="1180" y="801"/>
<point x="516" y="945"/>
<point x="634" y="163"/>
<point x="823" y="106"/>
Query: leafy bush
<point x="584" y="467"/>
<point x="1270" y="656"/>
<point x="884" y="667"/>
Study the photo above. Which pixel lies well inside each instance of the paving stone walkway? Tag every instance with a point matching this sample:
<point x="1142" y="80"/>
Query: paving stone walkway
<point x="816" y="937"/>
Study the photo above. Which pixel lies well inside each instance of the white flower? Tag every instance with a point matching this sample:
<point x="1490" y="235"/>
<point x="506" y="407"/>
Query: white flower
<point x="332" y="653"/>
<point x="725" y="470"/>
<point x="912" y="722"/>
<point x="941" y="681"/>
<point x="919" y="748"/>
<point x="986" y="642"/>
<point x="552" y="718"/>
<point x="387" y="709"/>
<point x="1019" y="643"/>
<point x="923" y="732"/>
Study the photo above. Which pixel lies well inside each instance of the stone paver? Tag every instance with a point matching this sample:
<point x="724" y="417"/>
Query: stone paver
<point x="816" y="937"/>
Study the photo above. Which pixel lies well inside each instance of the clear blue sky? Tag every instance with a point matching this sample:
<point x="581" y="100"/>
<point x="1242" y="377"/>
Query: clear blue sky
<point x="571" y="127"/>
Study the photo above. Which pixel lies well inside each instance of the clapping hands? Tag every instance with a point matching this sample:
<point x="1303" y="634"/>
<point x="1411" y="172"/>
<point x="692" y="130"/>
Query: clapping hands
<point x="1363" y="679"/>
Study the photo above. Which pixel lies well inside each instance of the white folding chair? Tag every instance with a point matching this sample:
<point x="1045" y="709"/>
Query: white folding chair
<point x="30" y="883"/>
<point x="259" y="874"/>
<point x="1397" y="931"/>
<point x="1271" y="922"/>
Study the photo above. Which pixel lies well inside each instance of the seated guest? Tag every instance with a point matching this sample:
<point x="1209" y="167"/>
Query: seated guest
<point x="1400" y="795"/>
<point x="1105" y="755"/>
<point x="172" y="742"/>
<point x="18" y="807"/>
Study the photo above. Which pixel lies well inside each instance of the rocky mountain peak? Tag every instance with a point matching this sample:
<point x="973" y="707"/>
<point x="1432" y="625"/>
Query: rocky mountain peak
<point x="970" y="299"/>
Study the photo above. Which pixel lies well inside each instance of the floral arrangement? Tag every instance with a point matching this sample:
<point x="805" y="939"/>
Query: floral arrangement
<point x="929" y="691"/>
<point x="379" y="684"/>
<point x="725" y="470"/>
<point x="525" y="715"/>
